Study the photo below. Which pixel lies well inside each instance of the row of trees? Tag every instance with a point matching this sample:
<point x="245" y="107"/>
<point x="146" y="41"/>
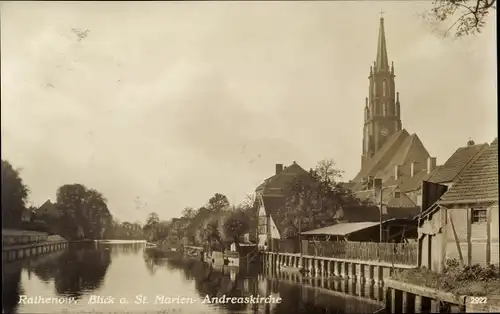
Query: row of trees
<point x="83" y="212"/>
<point x="215" y="224"/>
<point x="311" y="201"/>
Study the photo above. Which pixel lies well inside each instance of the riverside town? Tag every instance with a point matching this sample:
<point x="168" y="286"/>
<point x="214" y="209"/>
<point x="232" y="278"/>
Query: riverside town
<point x="229" y="157"/>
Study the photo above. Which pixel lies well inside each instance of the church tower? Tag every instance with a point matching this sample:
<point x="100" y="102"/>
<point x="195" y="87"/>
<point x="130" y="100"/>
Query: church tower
<point x="382" y="108"/>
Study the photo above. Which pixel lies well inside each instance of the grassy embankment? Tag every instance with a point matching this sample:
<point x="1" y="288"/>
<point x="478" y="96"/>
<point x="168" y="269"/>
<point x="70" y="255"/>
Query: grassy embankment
<point x="469" y="280"/>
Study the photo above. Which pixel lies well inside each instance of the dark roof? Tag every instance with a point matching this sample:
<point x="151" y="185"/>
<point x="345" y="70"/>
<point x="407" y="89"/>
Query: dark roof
<point x="479" y="183"/>
<point x="460" y="161"/>
<point x="48" y="205"/>
<point x="277" y="183"/>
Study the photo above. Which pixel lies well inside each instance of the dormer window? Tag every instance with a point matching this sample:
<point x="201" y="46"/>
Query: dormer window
<point x="397" y="194"/>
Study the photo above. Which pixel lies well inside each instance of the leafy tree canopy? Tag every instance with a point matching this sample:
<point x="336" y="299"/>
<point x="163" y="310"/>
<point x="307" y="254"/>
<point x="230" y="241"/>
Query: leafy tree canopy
<point x="218" y="202"/>
<point x="313" y="199"/>
<point x="14" y="195"/>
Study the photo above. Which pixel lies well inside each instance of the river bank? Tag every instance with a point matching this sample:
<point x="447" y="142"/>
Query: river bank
<point x="108" y="269"/>
<point x="456" y="289"/>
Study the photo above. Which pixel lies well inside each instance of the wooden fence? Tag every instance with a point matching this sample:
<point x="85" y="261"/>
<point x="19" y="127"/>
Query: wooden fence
<point x="396" y="253"/>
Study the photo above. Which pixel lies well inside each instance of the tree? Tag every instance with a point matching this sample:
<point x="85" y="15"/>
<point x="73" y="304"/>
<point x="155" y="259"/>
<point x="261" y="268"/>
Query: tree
<point x="209" y="233"/>
<point x="465" y="17"/>
<point x="14" y="195"/>
<point x="98" y="215"/>
<point x="193" y="231"/>
<point x="327" y="173"/>
<point x="152" y="219"/>
<point x="218" y="202"/>
<point x="71" y="199"/>
<point x="151" y="225"/>
<point x="84" y="212"/>
<point x="188" y="212"/>
<point x="313" y="199"/>
<point x="234" y="225"/>
<point x="249" y="208"/>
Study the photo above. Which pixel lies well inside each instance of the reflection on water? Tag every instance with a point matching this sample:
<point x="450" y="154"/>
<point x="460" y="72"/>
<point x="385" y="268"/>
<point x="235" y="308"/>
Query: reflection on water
<point x="127" y="270"/>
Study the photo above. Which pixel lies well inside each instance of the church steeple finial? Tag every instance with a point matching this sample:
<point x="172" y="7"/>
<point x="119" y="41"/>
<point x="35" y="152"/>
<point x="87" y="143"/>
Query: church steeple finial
<point x="382" y="60"/>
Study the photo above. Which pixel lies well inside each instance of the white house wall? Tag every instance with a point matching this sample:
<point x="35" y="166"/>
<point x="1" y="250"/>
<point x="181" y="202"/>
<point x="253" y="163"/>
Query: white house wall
<point x="274" y="230"/>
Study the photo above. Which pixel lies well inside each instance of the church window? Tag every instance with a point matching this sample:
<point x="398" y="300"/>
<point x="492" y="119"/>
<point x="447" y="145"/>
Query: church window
<point x="383" y="88"/>
<point x="384" y="109"/>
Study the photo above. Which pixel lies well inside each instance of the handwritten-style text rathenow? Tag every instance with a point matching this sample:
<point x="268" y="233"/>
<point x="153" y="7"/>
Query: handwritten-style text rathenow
<point x="24" y="299"/>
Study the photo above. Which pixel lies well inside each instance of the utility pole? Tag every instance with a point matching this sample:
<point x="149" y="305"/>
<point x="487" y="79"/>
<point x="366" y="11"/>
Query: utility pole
<point x="377" y="190"/>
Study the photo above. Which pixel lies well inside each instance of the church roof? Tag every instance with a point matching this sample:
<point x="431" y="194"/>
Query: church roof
<point x="401" y="149"/>
<point x="479" y="183"/>
<point x="388" y="197"/>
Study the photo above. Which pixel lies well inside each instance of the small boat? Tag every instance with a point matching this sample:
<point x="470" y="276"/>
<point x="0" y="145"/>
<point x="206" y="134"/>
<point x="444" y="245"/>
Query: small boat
<point x="148" y="244"/>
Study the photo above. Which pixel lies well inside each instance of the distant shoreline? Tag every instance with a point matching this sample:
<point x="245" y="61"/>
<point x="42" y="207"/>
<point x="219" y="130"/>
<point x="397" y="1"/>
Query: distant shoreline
<point x="120" y="241"/>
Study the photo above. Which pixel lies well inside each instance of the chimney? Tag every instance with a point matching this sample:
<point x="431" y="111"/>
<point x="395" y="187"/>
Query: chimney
<point x="470" y="142"/>
<point x="431" y="164"/>
<point x="279" y="168"/>
<point x="396" y="172"/>
<point x="413" y="169"/>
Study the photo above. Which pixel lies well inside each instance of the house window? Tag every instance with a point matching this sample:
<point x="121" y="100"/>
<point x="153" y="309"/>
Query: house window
<point x="478" y="215"/>
<point x="397" y="194"/>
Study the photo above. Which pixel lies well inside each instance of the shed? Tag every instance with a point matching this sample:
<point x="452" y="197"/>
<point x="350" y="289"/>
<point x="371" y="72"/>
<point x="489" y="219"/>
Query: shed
<point x="367" y="231"/>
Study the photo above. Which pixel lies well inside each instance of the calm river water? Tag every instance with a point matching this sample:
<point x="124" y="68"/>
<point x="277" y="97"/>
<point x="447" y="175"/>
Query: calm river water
<point x="84" y="277"/>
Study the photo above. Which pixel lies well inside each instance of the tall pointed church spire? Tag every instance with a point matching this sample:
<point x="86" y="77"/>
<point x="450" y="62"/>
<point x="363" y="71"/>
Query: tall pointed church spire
<point x="382" y="109"/>
<point x="382" y="62"/>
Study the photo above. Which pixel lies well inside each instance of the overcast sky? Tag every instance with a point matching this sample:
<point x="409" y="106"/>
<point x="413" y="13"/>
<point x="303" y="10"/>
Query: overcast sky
<point x="164" y="104"/>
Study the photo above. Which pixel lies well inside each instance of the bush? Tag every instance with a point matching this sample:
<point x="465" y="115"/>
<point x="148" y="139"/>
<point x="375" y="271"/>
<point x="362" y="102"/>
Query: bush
<point x="472" y="280"/>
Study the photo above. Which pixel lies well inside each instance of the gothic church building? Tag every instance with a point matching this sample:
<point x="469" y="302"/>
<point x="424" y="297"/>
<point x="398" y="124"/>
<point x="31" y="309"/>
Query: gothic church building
<point x="389" y="152"/>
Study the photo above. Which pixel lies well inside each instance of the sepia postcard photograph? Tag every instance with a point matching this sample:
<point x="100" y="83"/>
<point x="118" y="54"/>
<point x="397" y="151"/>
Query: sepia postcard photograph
<point x="248" y="157"/>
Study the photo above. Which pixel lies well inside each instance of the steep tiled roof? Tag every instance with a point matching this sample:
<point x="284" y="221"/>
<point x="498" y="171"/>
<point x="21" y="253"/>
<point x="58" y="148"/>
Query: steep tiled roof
<point x="400" y="150"/>
<point x="47" y="206"/>
<point x="461" y="159"/>
<point x="378" y="161"/>
<point x="479" y="183"/>
<point x="276" y="183"/>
